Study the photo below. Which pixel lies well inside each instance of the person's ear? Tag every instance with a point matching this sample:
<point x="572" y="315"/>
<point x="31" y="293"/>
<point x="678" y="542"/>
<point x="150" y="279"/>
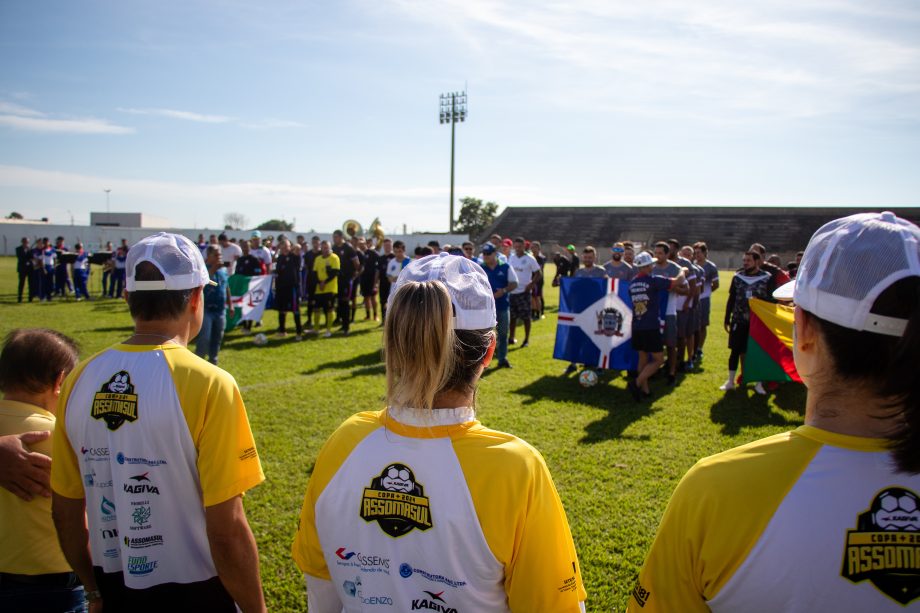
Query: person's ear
<point x="196" y="298"/>
<point x="805" y="342"/>
<point x="490" y="352"/>
<point x="59" y="382"/>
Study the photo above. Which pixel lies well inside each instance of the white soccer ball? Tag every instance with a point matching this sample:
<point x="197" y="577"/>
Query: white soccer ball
<point x="260" y="339"/>
<point x="587" y="378"/>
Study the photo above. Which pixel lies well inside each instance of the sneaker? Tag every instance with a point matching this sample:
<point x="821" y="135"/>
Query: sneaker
<point x="570" y="369"/>
<point x="327" y="334"/>
<point x="526" y="343"/>
<point x="727" y="386"/>
<point x="634" y="390"/>
<point x="512" y="341"/>
<point x="504" y="364"/>
<point x="758" y="389"/>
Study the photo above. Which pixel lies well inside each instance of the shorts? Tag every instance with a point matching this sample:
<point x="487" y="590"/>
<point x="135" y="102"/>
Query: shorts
<point x="684" y="327"/>
<point x="367" y="287"/>
<point x="670" y="330"/>
<point x="738" y="336"/>
<point x="287" y="298"/>
<point x="647" y="340"/>
<point x="324" y="302"/>
<point x="705" y="304"/>
<point x="521" y="307"/>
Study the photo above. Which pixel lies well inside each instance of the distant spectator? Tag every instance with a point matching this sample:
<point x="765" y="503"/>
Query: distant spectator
<point x="80" y="273"/>
<point x="435" y="247"/>
<point x="710" y="284"/>
<point x="574" y="262"/>
<point x="229" y="253"/>
<point x="251" y="266"/>
<point x="629" y="252"/>
<point x="62" y="283"/>
<point x="217" y="304"/>
<point x="350" y="269"/>
<point x="287" y="282"/>
<point x="308" y="258"/>
<point x="117" y="287"/>
<point x="749" y="282"/>
<point x="506" y="246"/>
<point x="469" y="250"/>
<point x="328" y="269"/>
<point x="537" y="251"/>
<point x="24" y="267"/>
<point x="49" y="260"/>
<point x="778" y="276"/>
<point x="503" y="281"/>
<point x="383" y="262"/>
<point x="792" y="269"/>
<point x="259" y="250"/>
<point x="664" y="267"/>
<point x="35" y="574"/>
<point x="590" y="268"/>
<point x="616" y="268"/>
<point x="370" y="282"/>
<point x="108" y="270"/>
<point x="527" y="270"/>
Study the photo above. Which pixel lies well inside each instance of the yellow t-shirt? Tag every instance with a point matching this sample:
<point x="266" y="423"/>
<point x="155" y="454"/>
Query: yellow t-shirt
<point x="319" y="267"/>
<point x="149" y="436"/>
<point x="28" y="540"/>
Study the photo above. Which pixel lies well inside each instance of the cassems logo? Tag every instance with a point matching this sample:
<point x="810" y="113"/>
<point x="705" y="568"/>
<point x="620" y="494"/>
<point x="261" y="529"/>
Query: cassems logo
<point x="434" y="602"/>
<point x="344" y="556"/>
<point x="140" y="565"/>
<point x="406" y="571"/>
<point x="396" y="501"/>
<point x="885" y="546"/>
<point x="94" y="454"/>
<point x="364" y="563"/>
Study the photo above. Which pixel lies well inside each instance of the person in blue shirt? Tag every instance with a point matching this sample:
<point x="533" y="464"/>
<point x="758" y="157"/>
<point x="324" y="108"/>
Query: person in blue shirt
<point x="80" y="273"/>
<point x="217" y="303"/>
<point x="645" y="294"/>
<point x="503" y="280"/>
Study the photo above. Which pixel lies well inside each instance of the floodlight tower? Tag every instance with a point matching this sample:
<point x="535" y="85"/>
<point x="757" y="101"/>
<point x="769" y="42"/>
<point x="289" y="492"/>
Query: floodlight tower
<point x="453" y="110"/>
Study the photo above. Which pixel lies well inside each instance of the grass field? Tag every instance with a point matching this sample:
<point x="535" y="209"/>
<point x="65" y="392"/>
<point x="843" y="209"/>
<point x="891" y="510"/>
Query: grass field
<point x="615" y="462"/>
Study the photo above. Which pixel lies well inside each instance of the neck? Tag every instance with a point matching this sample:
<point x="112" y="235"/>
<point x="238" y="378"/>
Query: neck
<point x="158" y="332"/>
<point x="46" y="400"/>
<point x="849" y="411"/>
<point x="452" y="399"/>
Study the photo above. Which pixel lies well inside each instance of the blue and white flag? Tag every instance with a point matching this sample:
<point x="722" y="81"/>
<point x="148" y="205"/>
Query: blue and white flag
<point x="595" y="323"/>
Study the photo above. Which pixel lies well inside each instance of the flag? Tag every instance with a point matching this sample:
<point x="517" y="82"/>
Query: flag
<point x="595" y="323"/>
<point x="769" y="349"/>
<point x="248" y="295"/>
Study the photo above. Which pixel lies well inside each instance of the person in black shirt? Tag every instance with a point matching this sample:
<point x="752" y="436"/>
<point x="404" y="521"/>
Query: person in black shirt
<point x="310" y="297"/>
<point x="287" y="283"/>
<point x="348" y="260"/>
<point x="360" y="247"/>
<point x="369" y="279"/>
<point x="382" y="262"/>
<point x="563" y="267"/>
<point x="250" y="266"/>
<point x="24" y="268"/>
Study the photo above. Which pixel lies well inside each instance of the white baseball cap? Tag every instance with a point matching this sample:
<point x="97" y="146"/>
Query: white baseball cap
<point x="178" y="258"/>
<point x="466" y="282"/>
<point x="643" y="259"/>
<point x="850" y="261"/>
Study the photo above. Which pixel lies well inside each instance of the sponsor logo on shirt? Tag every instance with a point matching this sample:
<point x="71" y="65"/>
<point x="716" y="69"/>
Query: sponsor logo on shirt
<point x="396" y="501"/>
<point x="365" y="563"/>
<point x="140" y="565"/>
<point x="433" y="602"/>
<point x="123" y="459"/>
<point x="107" y="508"/>
<point x="95" y="454"/>
<point x="115" y="403"/>
<point x="248" y="453"/>
<point x="142" y="542"/>
<point x="352" y="589"/>
<point x="406" y="570"/>
<point x="139" y="487"/>
<point x="641" y="594"/>
<point x="141" y="517"/>
<point x="885" y="546"/>
<point x="111" y="553"/>
<point x="109" y="533"/>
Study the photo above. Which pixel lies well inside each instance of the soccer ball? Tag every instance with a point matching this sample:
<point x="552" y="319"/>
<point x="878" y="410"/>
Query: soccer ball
<point x="898" y="510"/>
<point x="260" y="339"/>
<point x="587" y="378"/>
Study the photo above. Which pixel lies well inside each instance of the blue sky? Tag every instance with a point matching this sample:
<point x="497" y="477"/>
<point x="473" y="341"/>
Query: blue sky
<point x="323" y="111"/>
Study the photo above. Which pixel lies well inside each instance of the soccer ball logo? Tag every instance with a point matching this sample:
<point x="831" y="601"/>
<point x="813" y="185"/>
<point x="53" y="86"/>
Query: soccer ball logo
<point x="896" y="509"/>
<point x="119" y="383"/>
<point x="587" y="378"/>
<point x="260" y="340"/>
<point x="398" y="478"/>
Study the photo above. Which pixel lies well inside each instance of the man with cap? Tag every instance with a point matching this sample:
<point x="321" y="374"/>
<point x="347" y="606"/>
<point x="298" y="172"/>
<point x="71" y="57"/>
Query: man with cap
<point x="503" y="281"/>
<point x="260" y="251"/>
<point x="617" y="268"/>
<point x="154" y="454"/>
<point x="645" y="293"/>
<point x="574" y="262"/>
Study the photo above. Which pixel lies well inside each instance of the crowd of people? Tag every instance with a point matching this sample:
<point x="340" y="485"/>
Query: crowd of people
<point x="419" y="506"/>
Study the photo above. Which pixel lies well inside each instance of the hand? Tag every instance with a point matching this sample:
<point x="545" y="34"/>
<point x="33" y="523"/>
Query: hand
<point x="25" y="473"/>
<point x="727" y="327"/>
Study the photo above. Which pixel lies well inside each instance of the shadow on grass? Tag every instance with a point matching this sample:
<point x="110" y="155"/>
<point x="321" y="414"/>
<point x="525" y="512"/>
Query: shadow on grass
<point x="364" y="363"/>
<point x="622" y="409"/>
<point x="127" y="328"/>
<point x="742" y="407"/>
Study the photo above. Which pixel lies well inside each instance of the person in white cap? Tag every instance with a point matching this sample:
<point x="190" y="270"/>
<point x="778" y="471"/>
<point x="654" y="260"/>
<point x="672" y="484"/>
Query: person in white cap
<point x="826" y="517"/>
<point x="153" y="454"/>
<point x="419" y="506"/>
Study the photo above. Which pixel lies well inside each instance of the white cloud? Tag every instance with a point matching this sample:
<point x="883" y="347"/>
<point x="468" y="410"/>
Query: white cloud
<point x="176" y="114"/>
<point x="20" y="117"/>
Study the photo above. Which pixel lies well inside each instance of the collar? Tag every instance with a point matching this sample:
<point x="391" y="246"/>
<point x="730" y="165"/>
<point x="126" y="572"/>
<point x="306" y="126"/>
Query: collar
<point x="432" y="417"/>
<point x="24" y="408"/>
<point x="855" y="443"/>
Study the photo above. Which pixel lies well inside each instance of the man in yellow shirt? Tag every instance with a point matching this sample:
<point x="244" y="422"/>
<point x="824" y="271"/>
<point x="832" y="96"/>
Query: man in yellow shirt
<point x="327" y="268"/>
<point x="34" y="575"/>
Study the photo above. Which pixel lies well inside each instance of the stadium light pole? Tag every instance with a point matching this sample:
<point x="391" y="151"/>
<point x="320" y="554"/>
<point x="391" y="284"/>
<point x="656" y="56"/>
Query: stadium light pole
<point x="453" y="110"/>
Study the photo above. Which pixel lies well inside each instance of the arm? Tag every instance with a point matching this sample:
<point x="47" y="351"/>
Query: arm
<point x="229" y="300"/>
<point x="235" y="554"/>
<point x="729" y="306"/>
<point x="69" y="516"/>
<point x="357" y="267"/>
<point x="25" y="473"/>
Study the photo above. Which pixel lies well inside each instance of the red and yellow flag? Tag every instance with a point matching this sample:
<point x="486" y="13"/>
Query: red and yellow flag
<point x="769" y="350"/>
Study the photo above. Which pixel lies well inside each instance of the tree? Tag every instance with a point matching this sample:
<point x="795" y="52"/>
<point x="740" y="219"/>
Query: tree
<point x="235" y="221"/>
<point x="14" y="215"/>
<point x="277" y="225"/>
<point x="475" y="216"/>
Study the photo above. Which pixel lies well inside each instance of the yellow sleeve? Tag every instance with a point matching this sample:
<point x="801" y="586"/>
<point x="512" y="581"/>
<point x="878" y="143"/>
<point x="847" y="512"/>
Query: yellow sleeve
<point x="523" y="521"/>
<point x="65" y="469"/>
<point x="334" y="261"/>
<point x="228" y="463"/>
<point x="714" y="519"/>
<point x="306" y="549"/>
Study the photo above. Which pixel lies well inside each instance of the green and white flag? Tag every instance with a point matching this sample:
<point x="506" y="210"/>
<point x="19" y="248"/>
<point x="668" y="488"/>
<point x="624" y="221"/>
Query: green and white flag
<point x="249" y="295"/>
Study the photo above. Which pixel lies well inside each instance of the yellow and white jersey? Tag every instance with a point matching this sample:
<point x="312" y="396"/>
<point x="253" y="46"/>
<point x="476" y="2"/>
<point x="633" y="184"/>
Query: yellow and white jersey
<point x="430" y="510"/>
<point x="807" y="520"/>
<point x="149" y="436"/>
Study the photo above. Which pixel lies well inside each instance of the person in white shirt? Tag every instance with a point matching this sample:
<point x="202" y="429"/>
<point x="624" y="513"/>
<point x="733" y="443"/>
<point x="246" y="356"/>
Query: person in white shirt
<point x="528" y="272"/>
<point x="229" y="253"/>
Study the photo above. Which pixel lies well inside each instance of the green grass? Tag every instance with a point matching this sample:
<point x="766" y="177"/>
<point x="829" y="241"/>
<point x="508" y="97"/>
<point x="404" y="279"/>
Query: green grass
<point x="615" y="462"/>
